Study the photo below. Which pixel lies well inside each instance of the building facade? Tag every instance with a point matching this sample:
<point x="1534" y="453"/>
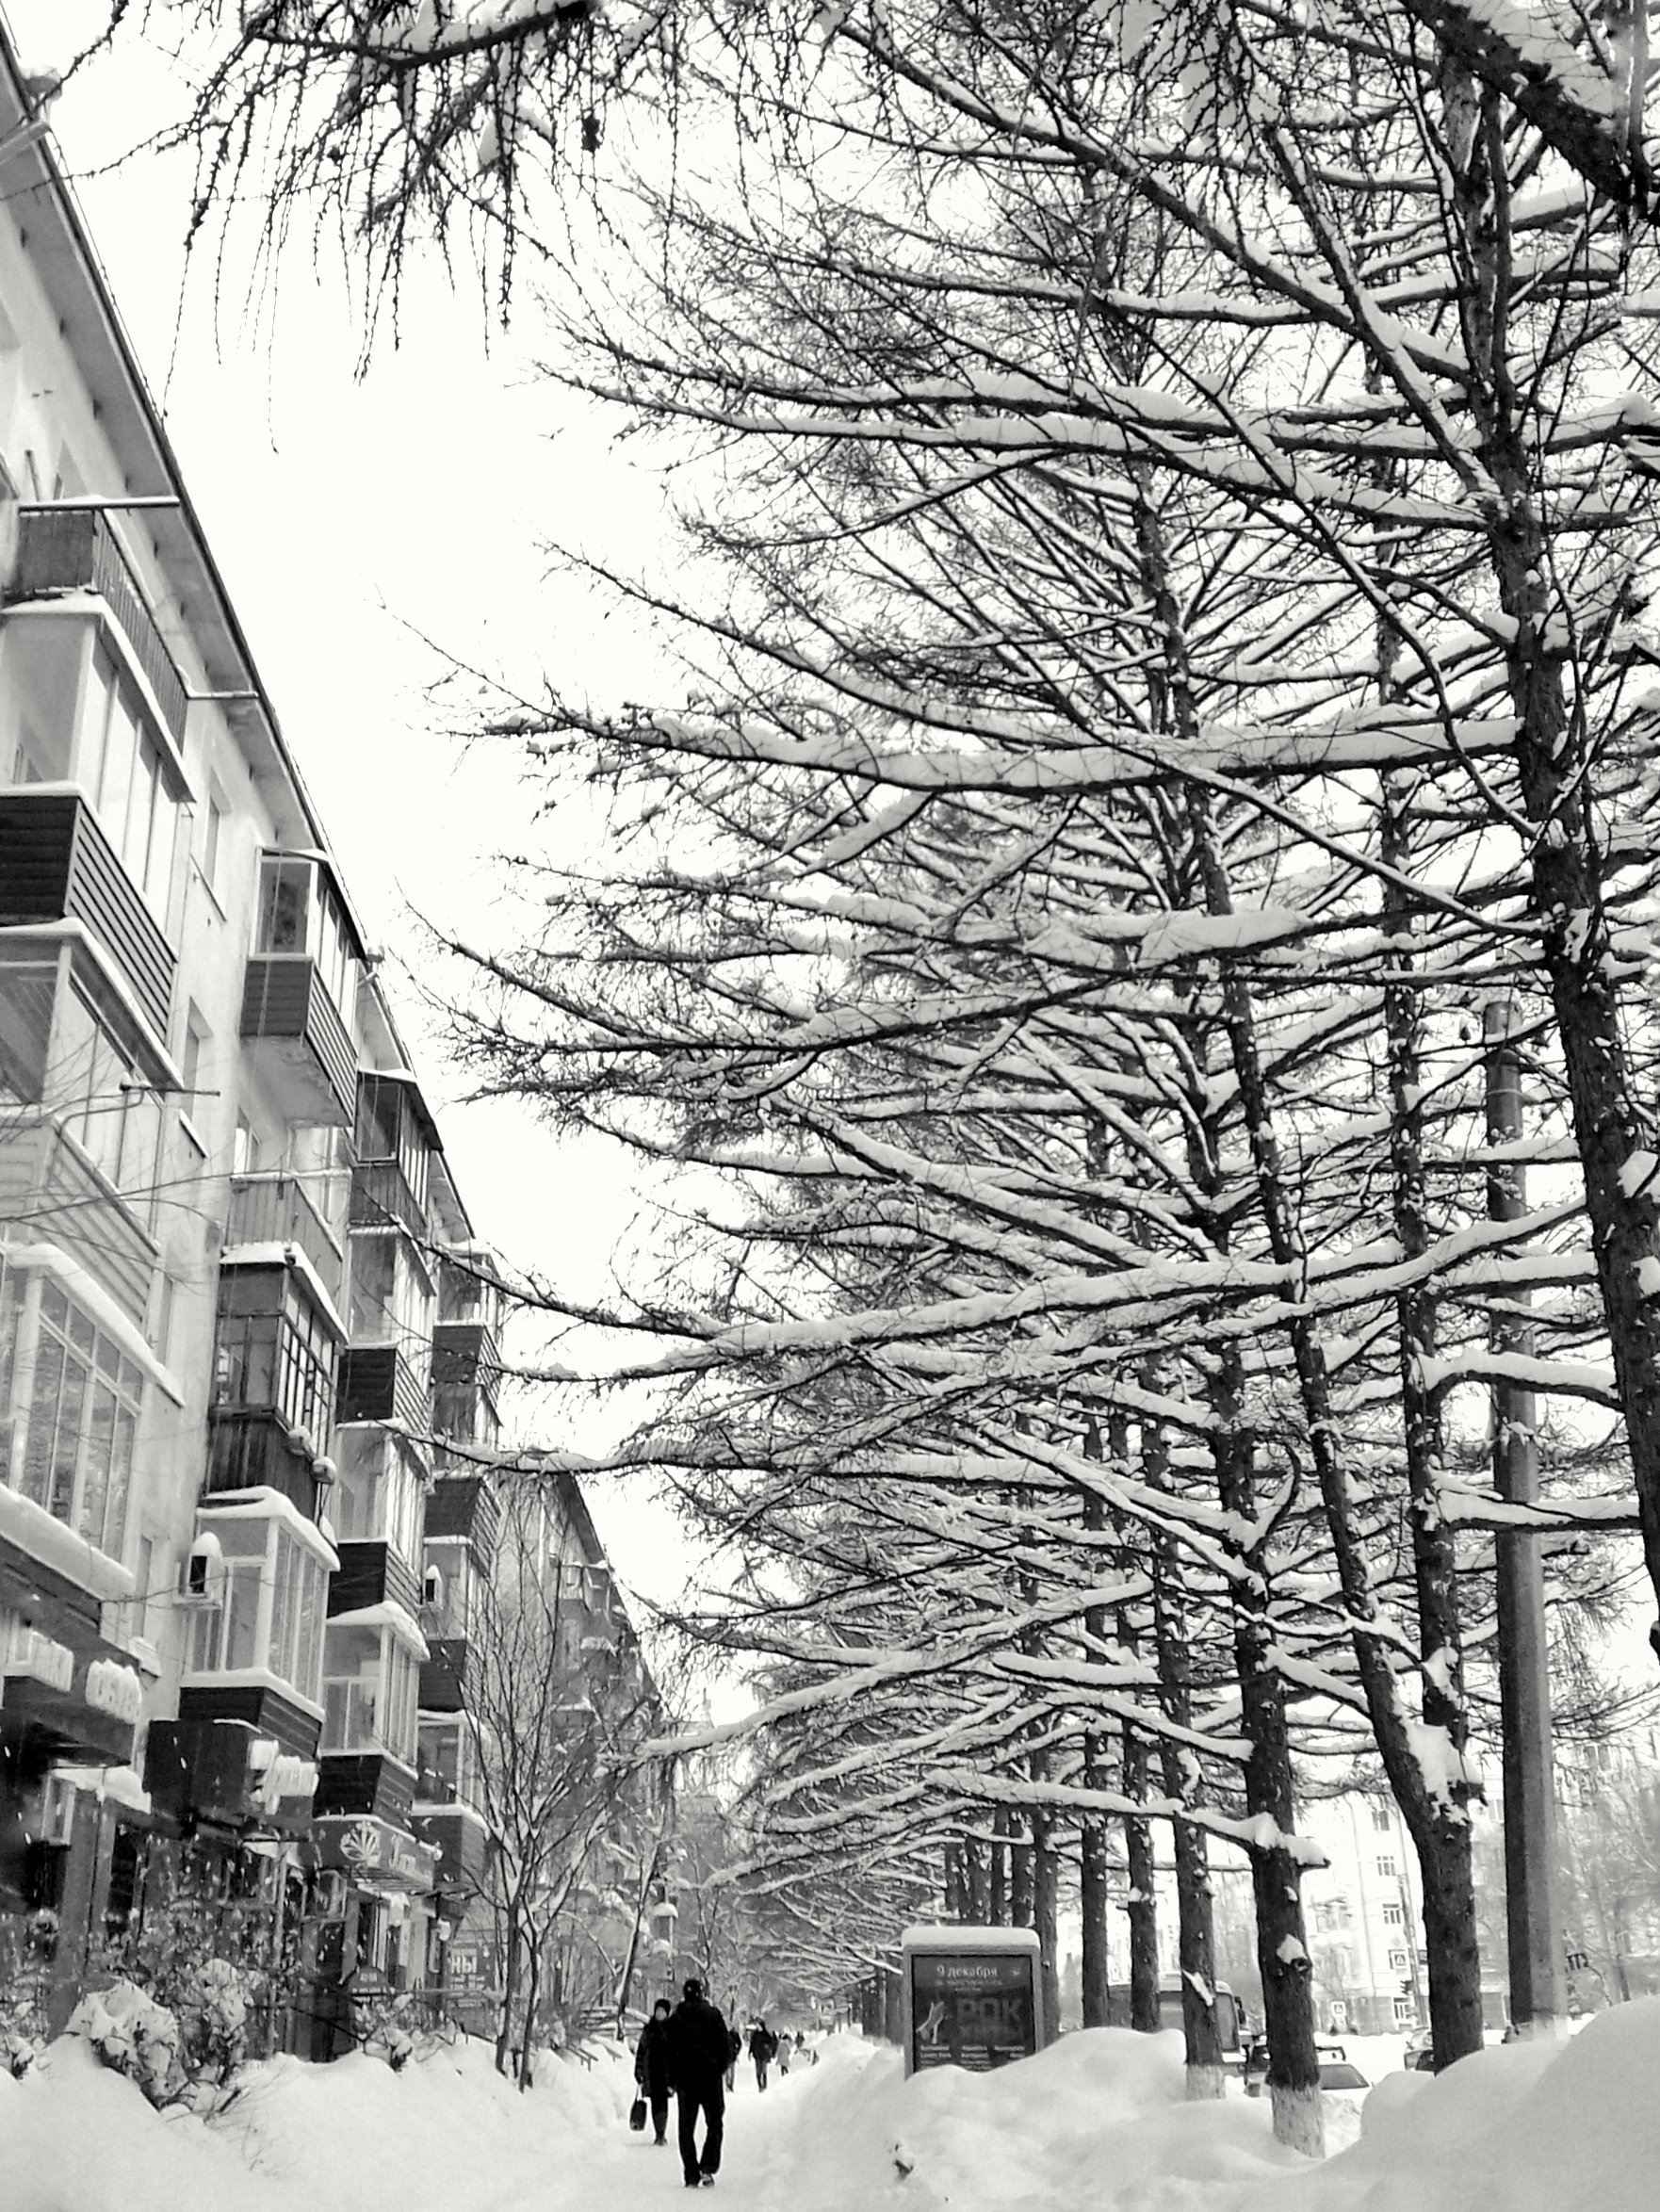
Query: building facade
<point x="243" y="1307"/>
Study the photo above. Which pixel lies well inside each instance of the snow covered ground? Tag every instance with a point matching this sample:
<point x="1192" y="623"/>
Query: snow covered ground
<point x="1097" y="2124"/>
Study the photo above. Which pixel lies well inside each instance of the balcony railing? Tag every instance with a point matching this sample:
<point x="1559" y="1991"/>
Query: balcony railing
<point x="56" y="865"/>
<point x="279" y="1210"/>
<point x="73" y="550"/>
<point x="47" y="1181"/>
<point x="300" y="1039"/>
<point x="380" y="1196"/>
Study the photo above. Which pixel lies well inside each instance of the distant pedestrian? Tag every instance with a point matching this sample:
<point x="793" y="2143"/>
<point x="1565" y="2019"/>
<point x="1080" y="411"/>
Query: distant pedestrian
<point x="734" y="2052"/>
<point x="652" y="2070"/>
<point x="698" y="2050"/>
<point x="782" y="2043"/>
<point x="763" y="2045"/>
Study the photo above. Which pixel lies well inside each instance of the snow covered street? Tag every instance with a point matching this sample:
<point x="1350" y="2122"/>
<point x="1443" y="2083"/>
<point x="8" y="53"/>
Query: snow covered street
<point x="1095" y="2125"/>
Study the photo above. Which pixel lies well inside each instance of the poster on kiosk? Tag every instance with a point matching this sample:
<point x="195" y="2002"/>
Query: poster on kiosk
<point x="973" y="1997"/>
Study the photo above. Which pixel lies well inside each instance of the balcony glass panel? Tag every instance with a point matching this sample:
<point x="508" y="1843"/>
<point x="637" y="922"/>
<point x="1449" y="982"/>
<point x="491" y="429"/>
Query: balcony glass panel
<point x="378" y="1496"/>
<point x="28" y="986"/>
<point x="109" y="1103"/>
<point x="448" y="1768"/>
<point x="390" y="1300"/>
<point x="369" y="1681"/>
<point x="124" y="770"/>
<point x="78" y="1416"/>
<point x="42" y="658"/>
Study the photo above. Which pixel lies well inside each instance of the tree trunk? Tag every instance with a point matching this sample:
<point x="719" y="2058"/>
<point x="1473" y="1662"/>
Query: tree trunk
<point x="1022" y="1878"/>
<point x="1144" y="1902"/>
<point x="1045" y="1916"/>
<point x="1196" y="1933"/>
<point x="997" y="1873"/>
<point x="1277" y="1874"/>
<point x="1438" y="1823"/>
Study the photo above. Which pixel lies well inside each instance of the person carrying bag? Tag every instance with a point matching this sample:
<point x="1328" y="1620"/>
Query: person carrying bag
<point x="652" y="2075"/>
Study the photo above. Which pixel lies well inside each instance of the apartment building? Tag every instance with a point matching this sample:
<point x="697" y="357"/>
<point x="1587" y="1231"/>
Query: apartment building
<point x="241" y="1300"/>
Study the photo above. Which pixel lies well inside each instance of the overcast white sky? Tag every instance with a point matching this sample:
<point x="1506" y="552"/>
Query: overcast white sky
<point x="347" y="514"/>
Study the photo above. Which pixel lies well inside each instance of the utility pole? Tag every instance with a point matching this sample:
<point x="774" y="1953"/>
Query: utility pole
<point x="1532" y="1907"/>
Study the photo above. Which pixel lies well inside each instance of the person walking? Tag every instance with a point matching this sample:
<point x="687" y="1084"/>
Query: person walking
<point x="697" y="2059"/>
<point x="763" y="2044"/>
<point x="734" y="2052"/>
<point x="651" y="2068"/>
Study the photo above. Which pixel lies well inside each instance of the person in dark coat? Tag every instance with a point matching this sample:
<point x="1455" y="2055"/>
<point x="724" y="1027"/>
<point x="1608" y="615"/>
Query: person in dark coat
<point x="698" y="2061"/>
<point x="734" y="2052"/>
<point x="763" y="2043"/>
<point x="651" y="2067"/>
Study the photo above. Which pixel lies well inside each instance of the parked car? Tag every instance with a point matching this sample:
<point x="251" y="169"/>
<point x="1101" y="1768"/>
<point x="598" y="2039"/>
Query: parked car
<point x="1342" y="2091"/>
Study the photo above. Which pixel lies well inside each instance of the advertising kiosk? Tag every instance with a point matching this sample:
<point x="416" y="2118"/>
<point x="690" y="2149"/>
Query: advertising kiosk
<point x="973" y="1997"/>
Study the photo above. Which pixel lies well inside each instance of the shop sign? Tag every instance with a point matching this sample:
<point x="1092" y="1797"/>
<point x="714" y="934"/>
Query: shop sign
<point x="116" y="1690"/>
<point x="372" y="1848"/>
<point x="42" y="1659"/>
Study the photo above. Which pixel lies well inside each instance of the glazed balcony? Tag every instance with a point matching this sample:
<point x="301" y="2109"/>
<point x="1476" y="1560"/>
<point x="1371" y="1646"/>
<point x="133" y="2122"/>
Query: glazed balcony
<point x="372" y="1573"/>
<point x="279" y="1210"/>
<point x="47" y="1181"/>
<point x="57" y="865"/>
<point x="364" y="1783"/>
<point x="382" y="1198"/>
<point x="250" y="1449"/>
<point x="379" y="1382"/>
<point x="465" y="1506"/>
<point x="73" y="550"/>
<point x="298" y="1040"/>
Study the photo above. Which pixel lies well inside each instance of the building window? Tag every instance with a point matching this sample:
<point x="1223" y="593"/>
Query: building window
<point x="274" y="1351"/>
<point x="1382" y="1817"/>
<point x="266" y="1596"/>
<point x="1386" y="1865"/>
<point x="84" y="1400"/>
<point x="195" y="1038"/>
<point x="1393" y="1917"/>
<point x="212" y="828"/>
<point x="1406" y="2011"/>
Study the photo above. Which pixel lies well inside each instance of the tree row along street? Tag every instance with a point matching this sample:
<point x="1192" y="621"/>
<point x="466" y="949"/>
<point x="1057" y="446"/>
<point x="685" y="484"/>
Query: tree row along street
<point x="1130" y="961"/>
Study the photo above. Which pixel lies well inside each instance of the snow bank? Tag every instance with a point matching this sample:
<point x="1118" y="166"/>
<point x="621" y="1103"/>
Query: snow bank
<point x="446" y="2133"/>
<point x="1096" y="2123"/>
<point x="1530" y="2127"/>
